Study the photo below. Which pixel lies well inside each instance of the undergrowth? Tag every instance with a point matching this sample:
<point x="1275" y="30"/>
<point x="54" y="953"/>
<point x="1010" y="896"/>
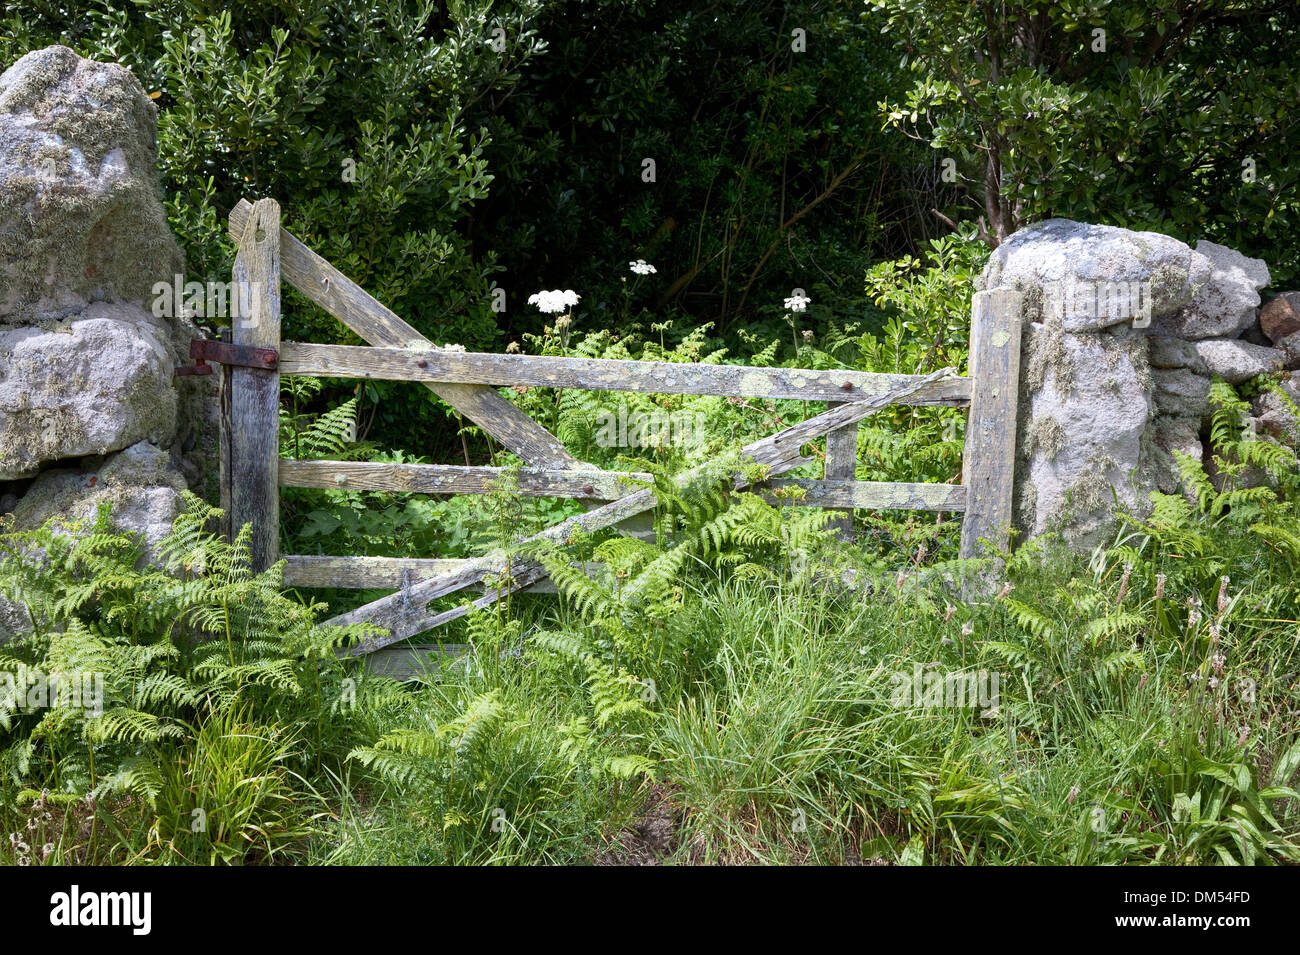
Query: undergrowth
<point x="1134" y="706"/>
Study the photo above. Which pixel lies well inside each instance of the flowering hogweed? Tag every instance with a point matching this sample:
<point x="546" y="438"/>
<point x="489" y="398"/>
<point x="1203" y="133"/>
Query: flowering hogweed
<point x="642" y="267"/>
<point x="556" y="300"/>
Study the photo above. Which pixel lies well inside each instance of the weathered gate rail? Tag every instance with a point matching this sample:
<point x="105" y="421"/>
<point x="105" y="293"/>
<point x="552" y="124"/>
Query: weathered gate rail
<point x="252" y="471"/>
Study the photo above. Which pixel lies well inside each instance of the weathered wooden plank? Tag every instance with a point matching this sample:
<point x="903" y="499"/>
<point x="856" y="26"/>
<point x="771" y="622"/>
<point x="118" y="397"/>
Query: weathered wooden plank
<point x="522" y="575"/>
<point x="255" y="392"/>
<point x="457" y="479"/>
<point x="362" y="573"/>
<point x="841" y="465"/>
<point x="872" y="495"/>
<point x="381" y="573"/>
<point x="406" y="663"/>
<point x="375" y="323"/>
<point x="603" y="374"/>
<point x="411" y="615"/>
<point x="406" y="614"/>
<point x="988" y="464"/>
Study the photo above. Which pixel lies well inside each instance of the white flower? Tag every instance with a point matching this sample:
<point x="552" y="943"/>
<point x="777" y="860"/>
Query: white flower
<point x="642" y="267"/>
<point x="797" y="303"/>
<point x="556" y="300"/>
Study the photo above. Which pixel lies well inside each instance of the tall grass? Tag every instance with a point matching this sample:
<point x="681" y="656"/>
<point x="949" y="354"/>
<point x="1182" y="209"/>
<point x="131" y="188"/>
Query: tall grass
<point x="783" y="742"/>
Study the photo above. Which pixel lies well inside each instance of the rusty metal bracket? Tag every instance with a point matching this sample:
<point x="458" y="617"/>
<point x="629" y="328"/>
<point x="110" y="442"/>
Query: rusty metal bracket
<point x="224" y="353"/>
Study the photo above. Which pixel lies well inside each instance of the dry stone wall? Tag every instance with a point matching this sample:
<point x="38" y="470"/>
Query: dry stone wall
<point x="1124" y="332"/>
<point x="89" y="411"/>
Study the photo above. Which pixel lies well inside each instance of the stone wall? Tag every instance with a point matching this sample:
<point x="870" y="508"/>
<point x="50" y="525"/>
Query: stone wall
<point x="89" y="411"/>
<point x="1123" y="334"/>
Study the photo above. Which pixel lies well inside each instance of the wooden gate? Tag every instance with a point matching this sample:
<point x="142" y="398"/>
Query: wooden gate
<point x="252" y="471"/>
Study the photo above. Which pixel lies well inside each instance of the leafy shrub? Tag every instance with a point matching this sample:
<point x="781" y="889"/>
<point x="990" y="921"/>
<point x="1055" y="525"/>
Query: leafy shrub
<point x="1103" y="112"/>
<point x="767" y="159"/>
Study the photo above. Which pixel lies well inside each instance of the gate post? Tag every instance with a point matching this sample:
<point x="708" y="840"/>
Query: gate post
<point x="989" y="460"/>
<point x="252" y="442"/>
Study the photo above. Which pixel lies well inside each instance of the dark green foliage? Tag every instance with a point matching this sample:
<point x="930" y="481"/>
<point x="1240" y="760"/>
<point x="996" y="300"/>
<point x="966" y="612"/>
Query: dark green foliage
<point x="767" y="159"/>
<point x="1177" y="117"/>
<point x="352" y="114"/>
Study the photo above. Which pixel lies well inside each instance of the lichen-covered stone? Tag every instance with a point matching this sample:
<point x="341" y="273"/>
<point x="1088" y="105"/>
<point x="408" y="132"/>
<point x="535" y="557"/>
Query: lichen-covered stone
<point x="1169" y="434"/>
<point x="1095" y="276"/>
<point x="1169" y="352"/>
<point x="140" y="485"/>
<point x="1236" y="361"/>
<point x="196" y="448"/>
<point x="1290" y="349"/>
<point x="1083" y="437"/>
<point x="1181" y="392"/>
<point x="14" y="619"/>
<point x="1275" y="415"/>
<point x="1112" y="391"/>
<point x="1223" y="307"/>
<point x="81" y="215"/>
<point x="91" y="385"/>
